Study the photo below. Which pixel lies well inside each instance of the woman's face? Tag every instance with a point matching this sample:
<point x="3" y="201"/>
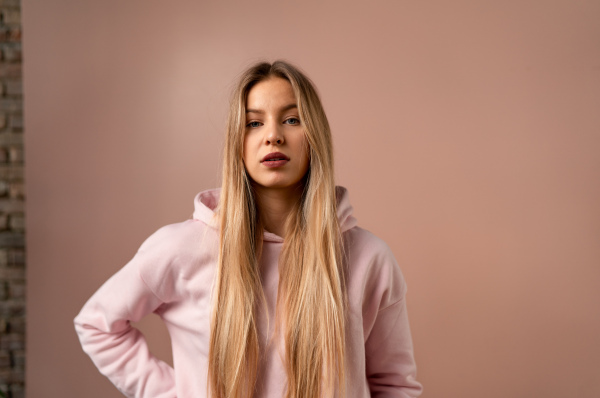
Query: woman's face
<point x="275" y="148"/>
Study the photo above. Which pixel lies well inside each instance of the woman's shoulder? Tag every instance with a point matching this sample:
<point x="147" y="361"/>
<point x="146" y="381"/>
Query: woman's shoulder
<point x="178" y="238"/>
<point x="364" y="242"/>
<point x="372" y="267"/>
<point x="176" y="252"/>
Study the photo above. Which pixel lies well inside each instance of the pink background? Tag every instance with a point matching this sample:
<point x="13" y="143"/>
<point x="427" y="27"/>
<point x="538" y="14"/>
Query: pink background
<point x="467" y="132"/>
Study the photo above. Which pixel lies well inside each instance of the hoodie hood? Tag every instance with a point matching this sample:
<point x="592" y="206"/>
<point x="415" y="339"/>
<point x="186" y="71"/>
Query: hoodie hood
<point x="206" y="202"/>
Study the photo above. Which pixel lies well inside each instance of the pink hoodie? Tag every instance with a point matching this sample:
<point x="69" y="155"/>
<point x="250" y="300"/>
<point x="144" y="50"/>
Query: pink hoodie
<point x="172" y="275"/>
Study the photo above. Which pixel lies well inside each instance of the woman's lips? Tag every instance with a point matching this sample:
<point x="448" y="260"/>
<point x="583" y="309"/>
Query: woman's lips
<point x="275" y="156"/>
<point x="275" y="163"/>
<point x="275" y="159"/>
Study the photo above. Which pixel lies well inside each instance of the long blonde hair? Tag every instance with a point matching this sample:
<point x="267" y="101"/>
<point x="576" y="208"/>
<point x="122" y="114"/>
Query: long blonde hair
<point x="311" y="299"/>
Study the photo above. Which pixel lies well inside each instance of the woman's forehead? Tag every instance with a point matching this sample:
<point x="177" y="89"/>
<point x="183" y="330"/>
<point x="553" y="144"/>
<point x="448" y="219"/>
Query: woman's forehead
<point x="271" y="94"/>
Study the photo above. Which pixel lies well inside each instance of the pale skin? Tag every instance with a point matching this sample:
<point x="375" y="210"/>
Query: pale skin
<point x="273" y="126"/>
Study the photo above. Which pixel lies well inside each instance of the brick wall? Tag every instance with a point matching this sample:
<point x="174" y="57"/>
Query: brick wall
<point x="12" y="225"/>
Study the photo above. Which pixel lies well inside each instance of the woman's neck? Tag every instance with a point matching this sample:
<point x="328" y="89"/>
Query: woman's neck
<point x="274" y="206"/>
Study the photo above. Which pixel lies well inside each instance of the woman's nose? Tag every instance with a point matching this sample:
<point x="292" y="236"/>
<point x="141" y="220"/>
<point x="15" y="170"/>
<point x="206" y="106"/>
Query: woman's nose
<point x="274" y="135"/>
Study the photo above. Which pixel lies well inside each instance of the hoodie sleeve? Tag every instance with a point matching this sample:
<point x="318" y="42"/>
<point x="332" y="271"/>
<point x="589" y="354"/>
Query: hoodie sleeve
<point x="119" y="350"/>
<point x="390" y="363"/>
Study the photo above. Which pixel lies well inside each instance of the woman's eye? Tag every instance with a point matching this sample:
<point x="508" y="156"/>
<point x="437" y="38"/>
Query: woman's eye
<point x="253" y="124"/>
<point x="292" y="121"/>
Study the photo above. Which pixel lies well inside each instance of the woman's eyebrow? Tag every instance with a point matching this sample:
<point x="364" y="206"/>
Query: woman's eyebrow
<point x="283" y="109"/>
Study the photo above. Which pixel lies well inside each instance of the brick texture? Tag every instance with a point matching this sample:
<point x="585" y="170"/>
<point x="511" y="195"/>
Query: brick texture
<point x="12" y="206"/>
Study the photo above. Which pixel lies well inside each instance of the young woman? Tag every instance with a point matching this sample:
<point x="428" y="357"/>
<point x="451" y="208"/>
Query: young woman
<point x="270" y="290"/>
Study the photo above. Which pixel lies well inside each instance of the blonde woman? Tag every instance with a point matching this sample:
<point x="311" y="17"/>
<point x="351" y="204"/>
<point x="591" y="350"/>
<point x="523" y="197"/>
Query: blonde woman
<point x="271" y="289"/>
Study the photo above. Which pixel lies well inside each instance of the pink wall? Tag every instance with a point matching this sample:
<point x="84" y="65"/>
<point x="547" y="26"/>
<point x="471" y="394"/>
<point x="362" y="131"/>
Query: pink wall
<point x="468" y="134"/>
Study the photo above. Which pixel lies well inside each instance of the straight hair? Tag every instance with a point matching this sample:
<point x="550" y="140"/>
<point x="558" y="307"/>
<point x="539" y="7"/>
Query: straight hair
<point x="311" y="298"/>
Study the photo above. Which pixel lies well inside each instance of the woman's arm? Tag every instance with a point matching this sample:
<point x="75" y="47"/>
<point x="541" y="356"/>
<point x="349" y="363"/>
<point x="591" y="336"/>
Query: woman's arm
<point x="390" y="364"/>
<point x="391" y="368"/>
<point x="118" y="350"/>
